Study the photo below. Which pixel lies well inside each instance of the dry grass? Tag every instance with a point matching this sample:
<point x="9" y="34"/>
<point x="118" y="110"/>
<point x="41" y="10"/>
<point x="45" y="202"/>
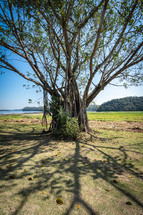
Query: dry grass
<point x="96" y="174"/>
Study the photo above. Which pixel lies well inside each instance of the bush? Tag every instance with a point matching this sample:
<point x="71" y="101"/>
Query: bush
<point x="71" y="128"/>
<point x="67" y="126"/>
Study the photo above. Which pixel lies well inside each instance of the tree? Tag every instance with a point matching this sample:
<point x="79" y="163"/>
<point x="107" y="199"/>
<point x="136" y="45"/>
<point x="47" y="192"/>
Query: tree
<point x="74" y="48"/>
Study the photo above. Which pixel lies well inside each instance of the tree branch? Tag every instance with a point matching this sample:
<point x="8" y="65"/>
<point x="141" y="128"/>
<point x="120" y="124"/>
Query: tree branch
<point x="95" y="48"/>
<point x="71" y="3"/>
<point x="49" y="24"/>
<point x="98" y="35"/>
<point x="130" y="56"/>
<point x="119" y="39"/>
<point x="12" y="68"/>
<point x="99" y="87"/>
<point x="54" y="53"/>
<point x="85" y="21"/>
<point x="2" y="43"/>
<point x="54" y="11"/>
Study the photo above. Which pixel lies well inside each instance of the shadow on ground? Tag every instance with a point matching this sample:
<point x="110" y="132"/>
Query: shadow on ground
<point x="74" y="164"/>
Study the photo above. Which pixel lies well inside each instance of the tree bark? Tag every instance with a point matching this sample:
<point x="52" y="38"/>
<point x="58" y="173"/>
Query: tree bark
<point x="76" y="107"/>
<point x="83" y="120"/>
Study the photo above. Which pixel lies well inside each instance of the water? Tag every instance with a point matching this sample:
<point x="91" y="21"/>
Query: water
<point x="17" y="112"/>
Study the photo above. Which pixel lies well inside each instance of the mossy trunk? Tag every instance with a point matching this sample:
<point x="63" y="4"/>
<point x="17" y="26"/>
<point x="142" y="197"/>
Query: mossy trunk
<point x="83" y="120"/>
<point x="77" y="111"/>
<point x="73" y="104"/>
<point x="76" y="105"/>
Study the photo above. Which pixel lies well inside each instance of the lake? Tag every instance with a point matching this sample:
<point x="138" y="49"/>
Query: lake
<point x="17" y="112"/>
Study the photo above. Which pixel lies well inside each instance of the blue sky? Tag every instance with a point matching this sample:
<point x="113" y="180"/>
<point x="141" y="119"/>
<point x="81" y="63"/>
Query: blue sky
<point x="14" y="96"/>
<point x="12" y="93"/>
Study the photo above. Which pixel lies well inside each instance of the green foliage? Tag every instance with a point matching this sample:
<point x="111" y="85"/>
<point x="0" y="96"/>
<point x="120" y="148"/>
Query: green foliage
<point x="32" y="108"/>
<point x="62" y="117"/>
<point x="64" y="125"/>
<point x="54" y="105"/>
<point x="71" y="128"/>
<point x="123" y="104"/>
<point x="67" y="126"/>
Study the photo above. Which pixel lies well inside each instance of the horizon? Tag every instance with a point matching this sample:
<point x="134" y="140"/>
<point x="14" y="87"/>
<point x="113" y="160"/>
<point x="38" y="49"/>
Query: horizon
<point x="34" y="106"/>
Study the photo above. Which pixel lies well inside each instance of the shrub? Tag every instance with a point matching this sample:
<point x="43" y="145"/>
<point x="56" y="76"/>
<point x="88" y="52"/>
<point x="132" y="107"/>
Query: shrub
<point x="71" y="128"/>
<point x="67" y="126"/>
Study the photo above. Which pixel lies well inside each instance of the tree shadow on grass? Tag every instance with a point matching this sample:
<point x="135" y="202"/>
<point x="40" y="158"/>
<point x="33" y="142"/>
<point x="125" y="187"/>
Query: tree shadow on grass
<point x="101" y="170"/>
<point x="76" y="165"/>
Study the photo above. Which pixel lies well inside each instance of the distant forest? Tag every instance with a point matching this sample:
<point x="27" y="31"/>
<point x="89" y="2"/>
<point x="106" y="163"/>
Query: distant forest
<point x="90" y="108"/>
<point x="32" y="109"/>
<point x="123" y="104"/>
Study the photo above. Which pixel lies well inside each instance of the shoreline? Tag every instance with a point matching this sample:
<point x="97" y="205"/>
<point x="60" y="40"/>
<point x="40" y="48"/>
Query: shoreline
<point x="24" y="113"/>
<point x="7" y="114"/>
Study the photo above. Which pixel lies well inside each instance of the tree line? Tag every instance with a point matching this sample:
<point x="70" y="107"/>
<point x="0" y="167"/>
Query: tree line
<point x="123" y="104"/>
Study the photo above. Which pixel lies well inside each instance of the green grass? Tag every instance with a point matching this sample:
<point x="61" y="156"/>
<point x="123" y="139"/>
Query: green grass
<point x="95" y="175"/>
<point x="103" y="116"/>
<point x="116" y="116"/>
<point x="22" y="116"/>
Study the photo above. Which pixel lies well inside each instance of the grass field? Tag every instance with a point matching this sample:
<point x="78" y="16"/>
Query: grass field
<point x="103" y="116"/>
<point x="116" y="116"/>
<point x="98" y="174"/>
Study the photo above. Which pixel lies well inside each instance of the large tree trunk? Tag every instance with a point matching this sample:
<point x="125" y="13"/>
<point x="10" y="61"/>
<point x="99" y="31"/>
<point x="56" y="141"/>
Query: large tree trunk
<point x="72" y="104"/>
<point x="54" y="109"/>
<point x="82" y="119"/>
<point x="77" y="110"/>
<point x="77" y="106"/>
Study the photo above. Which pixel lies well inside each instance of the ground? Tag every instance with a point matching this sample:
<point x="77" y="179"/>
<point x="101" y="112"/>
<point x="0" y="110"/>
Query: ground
<point x="130" y="126"/>
<point x="118" y="126"/>
<point x="100" y="173"/>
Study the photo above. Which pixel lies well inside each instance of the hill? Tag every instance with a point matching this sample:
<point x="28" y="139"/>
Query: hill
<point x="123" y="104"/>
<point x="32" y="109"/>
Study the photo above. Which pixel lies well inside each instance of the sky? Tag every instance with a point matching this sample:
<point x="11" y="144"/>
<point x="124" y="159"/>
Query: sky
<point x="14" y="96"/>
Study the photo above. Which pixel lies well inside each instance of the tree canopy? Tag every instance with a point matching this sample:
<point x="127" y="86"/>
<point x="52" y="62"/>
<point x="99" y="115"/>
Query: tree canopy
<point x="74" y="48"/>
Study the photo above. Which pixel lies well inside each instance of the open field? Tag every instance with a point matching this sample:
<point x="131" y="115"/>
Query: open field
<point x="100" y="173"/>
<point x="116" y="116"/>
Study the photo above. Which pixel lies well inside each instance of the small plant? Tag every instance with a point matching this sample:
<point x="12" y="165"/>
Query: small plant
<point x="63" y="124"/>
<point x="71" y="128"/>
<point x="67" y="126"/>
<point x="62" y="117"/>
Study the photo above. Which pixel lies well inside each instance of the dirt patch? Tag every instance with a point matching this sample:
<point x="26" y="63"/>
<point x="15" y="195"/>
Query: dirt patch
<point x="23" y="121"/>
<point x="119" y="126"/>
<point x="108" y="125"/>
